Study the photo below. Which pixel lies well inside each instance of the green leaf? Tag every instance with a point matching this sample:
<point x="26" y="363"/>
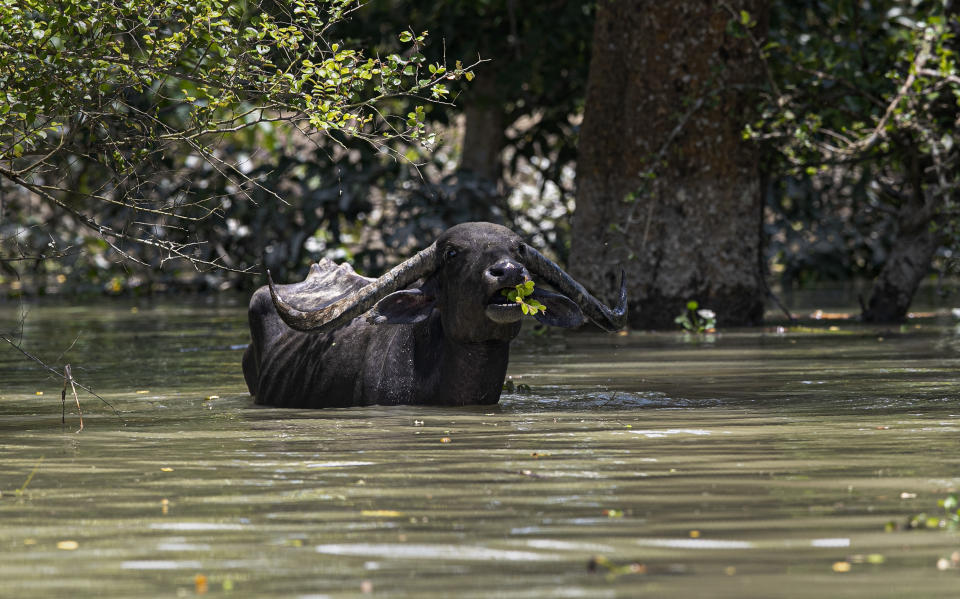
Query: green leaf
<point x="521" y="291"/>
<point x="950" y="502"/>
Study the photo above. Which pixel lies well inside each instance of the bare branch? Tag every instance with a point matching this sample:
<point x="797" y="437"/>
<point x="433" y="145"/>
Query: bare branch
<point x="16" y="346"/>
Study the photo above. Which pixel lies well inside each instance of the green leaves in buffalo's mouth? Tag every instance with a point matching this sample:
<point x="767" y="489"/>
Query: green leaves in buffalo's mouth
<point x="520" y="294"/>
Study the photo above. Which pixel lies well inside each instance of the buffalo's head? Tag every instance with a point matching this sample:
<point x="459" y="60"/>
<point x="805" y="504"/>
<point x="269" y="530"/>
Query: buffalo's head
<point x="463" y="275"/>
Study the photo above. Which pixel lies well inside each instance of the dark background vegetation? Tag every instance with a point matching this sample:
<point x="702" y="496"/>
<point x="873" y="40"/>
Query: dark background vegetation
<point x="712" y="149"/>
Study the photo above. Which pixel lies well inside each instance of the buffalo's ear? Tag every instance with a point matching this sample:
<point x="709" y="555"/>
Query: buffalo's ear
<point x="561" y="311"/>
<point x="403" y="307"/>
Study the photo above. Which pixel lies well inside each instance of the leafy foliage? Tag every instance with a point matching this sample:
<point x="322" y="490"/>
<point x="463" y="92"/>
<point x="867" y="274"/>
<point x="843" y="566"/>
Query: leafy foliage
<point x="520" y="295"/>
<point x="861" y="110"/>
<point x="110" y="109"/>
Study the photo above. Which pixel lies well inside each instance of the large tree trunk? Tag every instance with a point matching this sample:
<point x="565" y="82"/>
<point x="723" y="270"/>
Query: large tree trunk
<point x="483" y="135"/>
<point x="667" y="188"/>
<point x="477" y="191"/>
<point x="910" y="257"/>
<point x="907" y="264"/>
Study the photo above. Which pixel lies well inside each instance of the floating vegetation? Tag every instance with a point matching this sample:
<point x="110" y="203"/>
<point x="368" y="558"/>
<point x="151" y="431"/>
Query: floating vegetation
<point x="951" y="563"/>
<point x="948" y="520"/>
<point x="696" y="320"/>
<point x="842" y="567"/>
<point x="599" y="563"/>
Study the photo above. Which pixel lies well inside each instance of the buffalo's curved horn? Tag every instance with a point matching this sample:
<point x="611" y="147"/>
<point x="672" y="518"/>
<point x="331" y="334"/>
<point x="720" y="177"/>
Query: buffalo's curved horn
<point x="349" y="307"/>
<point x="611" y="320"/>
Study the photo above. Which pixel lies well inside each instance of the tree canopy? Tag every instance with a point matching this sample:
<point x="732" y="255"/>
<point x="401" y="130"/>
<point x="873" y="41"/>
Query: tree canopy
<point x="861" y="108"/>
<point x="110" y="106"/>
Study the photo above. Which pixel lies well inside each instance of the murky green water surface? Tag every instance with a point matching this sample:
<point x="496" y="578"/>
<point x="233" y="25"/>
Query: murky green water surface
<point x="753" y="464"/>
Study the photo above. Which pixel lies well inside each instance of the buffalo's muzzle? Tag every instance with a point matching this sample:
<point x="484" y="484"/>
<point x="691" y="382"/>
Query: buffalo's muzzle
<point x="505" y="274"/>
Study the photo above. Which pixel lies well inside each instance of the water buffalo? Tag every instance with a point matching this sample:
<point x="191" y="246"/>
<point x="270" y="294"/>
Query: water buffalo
<point x="437" y="329"/>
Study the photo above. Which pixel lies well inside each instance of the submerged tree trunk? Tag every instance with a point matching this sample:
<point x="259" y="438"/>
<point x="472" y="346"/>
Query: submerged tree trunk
<point x="908" y="262"/>
<point x="667" y="188"/>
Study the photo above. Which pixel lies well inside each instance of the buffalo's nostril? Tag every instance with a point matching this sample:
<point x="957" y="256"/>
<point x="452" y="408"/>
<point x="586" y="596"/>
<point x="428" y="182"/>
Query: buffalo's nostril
<point x="507" y="273"/>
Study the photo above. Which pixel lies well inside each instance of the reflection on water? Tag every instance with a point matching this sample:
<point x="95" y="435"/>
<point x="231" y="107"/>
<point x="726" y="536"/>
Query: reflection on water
<point x="757" y="464"/>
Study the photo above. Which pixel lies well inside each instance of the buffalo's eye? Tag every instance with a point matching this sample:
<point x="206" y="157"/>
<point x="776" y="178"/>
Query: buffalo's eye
<point x="451" y="253"/>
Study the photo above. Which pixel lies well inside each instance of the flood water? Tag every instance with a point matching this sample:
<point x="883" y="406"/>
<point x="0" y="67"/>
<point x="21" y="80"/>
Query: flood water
<point x="754" y="463"/>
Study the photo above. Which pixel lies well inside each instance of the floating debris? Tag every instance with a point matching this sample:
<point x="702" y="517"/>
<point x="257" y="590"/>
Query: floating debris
<point x="841" y="566"/>
<point x="381" y="513"/>
<point x="200" y="584"/>
<point x="598" y="563"/>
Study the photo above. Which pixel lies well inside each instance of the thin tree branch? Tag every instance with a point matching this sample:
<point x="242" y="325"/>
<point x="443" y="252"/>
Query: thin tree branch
<point x="59" y="374"/>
